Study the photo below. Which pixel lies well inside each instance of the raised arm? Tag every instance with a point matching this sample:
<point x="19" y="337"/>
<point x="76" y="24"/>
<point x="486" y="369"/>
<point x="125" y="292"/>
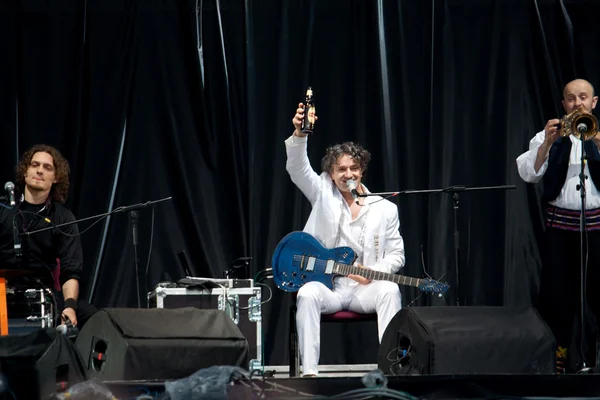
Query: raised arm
<point x="298" y="164"/>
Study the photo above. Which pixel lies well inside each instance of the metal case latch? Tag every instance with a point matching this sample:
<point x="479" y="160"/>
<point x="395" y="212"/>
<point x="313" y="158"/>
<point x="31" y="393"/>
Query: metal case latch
<point x="231" y="306"/>
<point x="254" y="312"/>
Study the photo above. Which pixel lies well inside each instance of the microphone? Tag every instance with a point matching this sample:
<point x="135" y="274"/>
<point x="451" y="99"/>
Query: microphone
<point x="351" y="185"/>
<point x="581" y="127"/>
<point x="10" y="188"/>
<point x="67" y="328"/>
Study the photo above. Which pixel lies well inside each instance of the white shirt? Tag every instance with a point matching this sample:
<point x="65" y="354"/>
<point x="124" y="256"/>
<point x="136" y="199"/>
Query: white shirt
<point x="374" y="234"/>
<point x="569" y="197"/>
<point x="352" y="232"/>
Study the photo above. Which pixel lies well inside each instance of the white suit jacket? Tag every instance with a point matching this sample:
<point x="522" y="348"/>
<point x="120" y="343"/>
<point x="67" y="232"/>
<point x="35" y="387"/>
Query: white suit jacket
<point x="383" y="244"/>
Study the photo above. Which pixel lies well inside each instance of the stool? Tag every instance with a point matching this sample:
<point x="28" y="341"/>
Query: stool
<point x="340" y="316"/>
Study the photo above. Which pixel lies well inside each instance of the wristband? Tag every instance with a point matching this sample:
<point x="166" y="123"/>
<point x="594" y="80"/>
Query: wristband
<point x="71" y="303"/>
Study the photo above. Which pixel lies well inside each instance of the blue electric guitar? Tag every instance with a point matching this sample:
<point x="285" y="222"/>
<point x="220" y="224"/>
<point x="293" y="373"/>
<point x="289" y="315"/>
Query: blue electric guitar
<point x="300" y="258"/>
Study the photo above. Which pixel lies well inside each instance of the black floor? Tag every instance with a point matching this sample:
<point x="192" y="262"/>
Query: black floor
<point x="422" y="387"/>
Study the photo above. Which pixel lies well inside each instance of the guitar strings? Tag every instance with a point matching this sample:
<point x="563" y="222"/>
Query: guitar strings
<point x="406" y="280"/>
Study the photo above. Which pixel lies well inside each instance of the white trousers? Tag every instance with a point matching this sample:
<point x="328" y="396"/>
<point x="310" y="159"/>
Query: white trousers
<point x="314" y="299"/>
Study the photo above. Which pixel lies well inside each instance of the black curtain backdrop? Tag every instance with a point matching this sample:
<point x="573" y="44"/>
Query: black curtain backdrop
<point x="193" y="99"/>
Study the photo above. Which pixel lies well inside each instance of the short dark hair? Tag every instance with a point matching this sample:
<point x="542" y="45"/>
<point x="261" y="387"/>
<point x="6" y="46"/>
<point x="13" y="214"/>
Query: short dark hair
<point x="354" y="150"/>
<point x="62" y="171"/>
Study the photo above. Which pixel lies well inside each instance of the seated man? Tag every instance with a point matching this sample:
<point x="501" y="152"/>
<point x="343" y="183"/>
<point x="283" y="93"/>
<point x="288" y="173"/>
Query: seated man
<point x="370" y="227"/>
<point x="42" y="185"/>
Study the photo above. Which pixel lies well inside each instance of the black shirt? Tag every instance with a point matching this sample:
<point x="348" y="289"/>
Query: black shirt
<point x="40" y="251"/>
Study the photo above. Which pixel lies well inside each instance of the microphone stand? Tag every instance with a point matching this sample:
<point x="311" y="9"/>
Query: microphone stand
<point x="455" y="190"/>
<point x="582" y="258"/>
<point x="132" y="209"/>
<point x="98" y="216"/>
<point x="135" y="216"/>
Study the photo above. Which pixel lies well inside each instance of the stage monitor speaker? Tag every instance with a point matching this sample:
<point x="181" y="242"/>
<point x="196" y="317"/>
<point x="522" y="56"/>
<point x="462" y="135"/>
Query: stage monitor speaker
<point x="467" y="340"/>
<point x="38" y="364"/>
<point x="158" y="343"/>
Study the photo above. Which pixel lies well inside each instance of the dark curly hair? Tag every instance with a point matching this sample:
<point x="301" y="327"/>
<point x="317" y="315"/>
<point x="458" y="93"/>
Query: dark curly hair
<point x="354" y="150"/>
<point x="62" y="171"/>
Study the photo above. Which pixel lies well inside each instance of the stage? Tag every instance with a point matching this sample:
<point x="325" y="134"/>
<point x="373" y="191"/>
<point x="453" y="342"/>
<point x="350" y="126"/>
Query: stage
<point x="422" y="387"/>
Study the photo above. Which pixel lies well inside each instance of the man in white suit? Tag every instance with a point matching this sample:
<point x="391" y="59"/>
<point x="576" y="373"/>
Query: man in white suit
<point x="369" y="225"/>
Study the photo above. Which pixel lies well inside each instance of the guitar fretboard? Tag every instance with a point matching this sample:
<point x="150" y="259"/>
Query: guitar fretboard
<point x="344" y="269"/>
<point x="308" y="267"/>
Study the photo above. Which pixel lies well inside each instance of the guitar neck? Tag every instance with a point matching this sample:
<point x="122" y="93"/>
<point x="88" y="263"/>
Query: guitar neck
<point x="344" y="269"/>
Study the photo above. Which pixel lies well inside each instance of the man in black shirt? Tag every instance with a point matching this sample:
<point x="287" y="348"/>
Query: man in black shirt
<point x="42" y="185"/>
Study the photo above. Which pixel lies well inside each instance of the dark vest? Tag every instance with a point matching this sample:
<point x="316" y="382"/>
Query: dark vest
<point x="558" y="165"/>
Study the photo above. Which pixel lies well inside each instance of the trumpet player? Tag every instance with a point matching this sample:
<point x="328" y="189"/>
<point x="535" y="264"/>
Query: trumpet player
<point x="554" y="156"/>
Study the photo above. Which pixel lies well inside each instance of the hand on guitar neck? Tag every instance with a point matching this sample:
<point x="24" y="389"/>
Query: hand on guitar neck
<point x="360" y="279"/>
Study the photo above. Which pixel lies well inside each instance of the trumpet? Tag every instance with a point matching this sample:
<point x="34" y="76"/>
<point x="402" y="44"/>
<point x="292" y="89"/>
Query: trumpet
<point x="579" y="122"/>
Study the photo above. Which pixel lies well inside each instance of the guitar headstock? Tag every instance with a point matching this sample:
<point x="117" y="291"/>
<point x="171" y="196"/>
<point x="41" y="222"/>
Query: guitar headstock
<point x="431" y="286"/>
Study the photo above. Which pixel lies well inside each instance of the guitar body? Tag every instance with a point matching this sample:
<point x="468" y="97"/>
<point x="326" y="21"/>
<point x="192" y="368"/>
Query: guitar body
<point x="300" y="258"/>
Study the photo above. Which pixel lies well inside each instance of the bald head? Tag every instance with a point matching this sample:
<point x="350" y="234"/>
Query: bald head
<point x="579" y="93"/>
<point x="578" y="84"/>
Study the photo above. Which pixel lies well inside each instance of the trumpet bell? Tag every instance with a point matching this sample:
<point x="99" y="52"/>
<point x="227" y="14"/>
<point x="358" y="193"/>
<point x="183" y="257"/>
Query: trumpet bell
<point x="579" y="122"/>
